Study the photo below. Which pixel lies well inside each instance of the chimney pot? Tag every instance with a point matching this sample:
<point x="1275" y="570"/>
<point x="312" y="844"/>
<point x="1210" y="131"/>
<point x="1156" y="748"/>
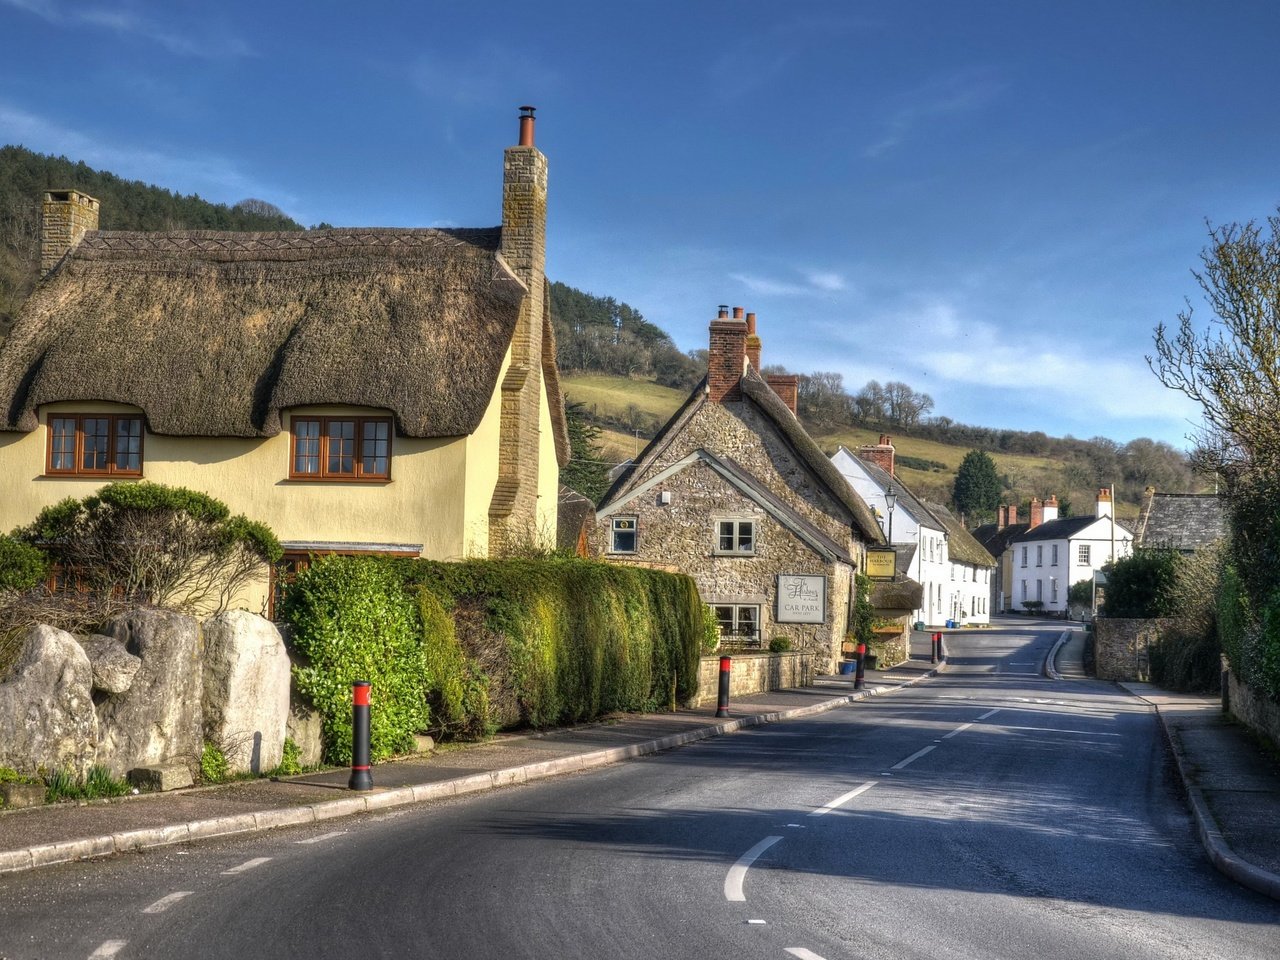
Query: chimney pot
<point x="723" y="311"/>
<point x="737" y="313"/>
<point x="751" y="323"/>
<point x="526" y="126"/>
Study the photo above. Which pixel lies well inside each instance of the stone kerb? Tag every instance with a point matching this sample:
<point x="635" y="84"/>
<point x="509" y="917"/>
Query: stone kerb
<point x="753" y="673"/>
<point x="1122" y="647"/>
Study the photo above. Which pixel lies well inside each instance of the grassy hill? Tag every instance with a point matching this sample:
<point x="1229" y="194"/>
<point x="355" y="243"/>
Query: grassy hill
<point x="631" y="411"/>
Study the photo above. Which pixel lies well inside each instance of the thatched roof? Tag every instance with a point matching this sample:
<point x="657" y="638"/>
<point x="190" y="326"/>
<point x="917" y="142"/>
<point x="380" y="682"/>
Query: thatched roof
<point x="213" y="334"/>
<point x="962" y="546"/>
<point x="901" y="593"/>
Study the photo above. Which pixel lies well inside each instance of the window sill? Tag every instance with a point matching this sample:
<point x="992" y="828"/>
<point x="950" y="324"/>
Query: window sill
<point x="341" y="480"/>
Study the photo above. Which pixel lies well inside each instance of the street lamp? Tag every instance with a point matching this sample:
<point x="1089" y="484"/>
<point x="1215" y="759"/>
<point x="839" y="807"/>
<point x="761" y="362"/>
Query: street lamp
<point x="890" y="500"/>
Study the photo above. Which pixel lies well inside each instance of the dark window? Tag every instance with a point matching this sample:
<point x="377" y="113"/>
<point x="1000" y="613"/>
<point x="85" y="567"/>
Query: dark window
<point x="735" y="536"/>
<point x="623" y="535"/>
<point x="325" y="448"/>
<point x="739" y="624"/>
<point x="95" y="445"/>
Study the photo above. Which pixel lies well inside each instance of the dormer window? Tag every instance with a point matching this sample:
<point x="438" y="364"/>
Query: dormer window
<point x="340" y="448"/>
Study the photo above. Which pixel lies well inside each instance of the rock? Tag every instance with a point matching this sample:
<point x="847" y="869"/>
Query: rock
<point x="246" y="690"/>
<point x="157" y="720"/>
<point x="19" y="795"/>
<point x="165" y="776"/>
<point x="46" y="706"/>
<point x="114" y="667"/>
<point x="423" y="743"/>
<point x="305" y="728"/>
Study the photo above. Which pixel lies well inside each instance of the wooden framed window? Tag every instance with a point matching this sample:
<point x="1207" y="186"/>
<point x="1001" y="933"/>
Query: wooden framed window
<point x="1082" y="553"/>
<point x="739" y="623"/>
<point x="95" y="445"/>
<point x="735" y="536"/>
<point x="340" y="448"/>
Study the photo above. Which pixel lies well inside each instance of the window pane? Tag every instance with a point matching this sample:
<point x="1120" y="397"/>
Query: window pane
<point x="96" y="433"/>
<point x="726" y="534"/>
<point x="342" y="448"/>
<point x="724" y="619"/>
<point x="746" y="536"/>
<point x="624" y="535"/>
<point x="62" y="455"/>
<point x="306" y="446"/>
<point x="747" y="626"/>
<point x="375" y="448"/>
<point x="128" y="444"/>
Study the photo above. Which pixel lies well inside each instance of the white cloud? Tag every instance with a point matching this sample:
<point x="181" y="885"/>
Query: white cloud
<point x="963" y="93"/>
<point x="815" y="283"/>
<point x="826" y="281"/>
<point x="192" y="40"/>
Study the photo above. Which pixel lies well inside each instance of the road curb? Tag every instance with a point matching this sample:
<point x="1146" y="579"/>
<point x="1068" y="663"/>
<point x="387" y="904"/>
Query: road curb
<point x="1050" y="668"/>
<point x="1224" y="859"/>
<point x="49" y="854"/>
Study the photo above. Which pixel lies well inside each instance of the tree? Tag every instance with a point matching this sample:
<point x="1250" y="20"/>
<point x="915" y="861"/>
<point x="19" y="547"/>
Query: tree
<point x="976" y="493"/>
<point x="586" y="472"/>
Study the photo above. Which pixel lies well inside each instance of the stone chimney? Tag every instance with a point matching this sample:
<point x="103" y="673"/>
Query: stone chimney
<point x="513" y="508"/>
<point x="881" y="454"/>
<point x="65" y="217"/>
<point x="726" y="355"/>
<point x="1037" y="513"/>
<point x="1104" y="502"/>
<point x="1051" y="508"/>
<point x="753" y="343"/>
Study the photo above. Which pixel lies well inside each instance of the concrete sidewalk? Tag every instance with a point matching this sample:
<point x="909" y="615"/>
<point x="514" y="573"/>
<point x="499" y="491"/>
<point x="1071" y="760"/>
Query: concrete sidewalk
<point x="1232" y="782"/>
<point x="63" y="832"/>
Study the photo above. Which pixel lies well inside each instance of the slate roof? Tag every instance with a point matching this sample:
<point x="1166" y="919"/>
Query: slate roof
<point x="1063" y="529"/>
<point x="1181" y="521"/>
<point x="917" y="508"/>
<point x="995" y="540"/>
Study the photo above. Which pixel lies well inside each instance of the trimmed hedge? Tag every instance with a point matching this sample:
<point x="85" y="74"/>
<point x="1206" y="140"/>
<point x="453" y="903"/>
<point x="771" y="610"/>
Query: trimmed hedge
<point x="22" y="566"/>
<point x="461" y="649"/>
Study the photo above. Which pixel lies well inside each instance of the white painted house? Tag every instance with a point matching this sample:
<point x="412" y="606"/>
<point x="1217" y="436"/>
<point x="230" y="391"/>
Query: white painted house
<point x="920" y="535"/>
<point x="1052" y="554"/>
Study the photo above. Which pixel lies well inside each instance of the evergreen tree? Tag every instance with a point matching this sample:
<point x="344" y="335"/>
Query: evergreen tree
<point x="586" y="472"/>
<point x="976" y="493"/>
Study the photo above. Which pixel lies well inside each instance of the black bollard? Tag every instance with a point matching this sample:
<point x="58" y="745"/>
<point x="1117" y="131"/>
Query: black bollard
<point x="722" y="704"/>
<point x="862" y="659"/>
<point x="361" y="778"/>
<point x="935" y="641"/>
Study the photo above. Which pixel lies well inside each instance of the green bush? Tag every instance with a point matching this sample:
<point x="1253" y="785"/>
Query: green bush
<point x="1143" y="585"/>
<point x="22" y="566"/>
<point x="290" y="759"/>
<point x="213" y="764"/>
<point x="779" y="644"/>
<point x="863" y="621"/>
<point x="353" y="620"/>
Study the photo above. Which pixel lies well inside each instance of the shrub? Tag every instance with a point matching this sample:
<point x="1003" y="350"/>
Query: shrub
<point x="1143" y="585"/>
<point x="1033" y="606"/>
<point x="213" y="764"/>
<point x="22" y="566"/>
<point x="862" y="623"/>
<point x="779" y="644"/>
<point x="166" y="546"/>
<point x="290" y="759"/>
<point x="98" y="783"/>
<point x="353" y="620"/>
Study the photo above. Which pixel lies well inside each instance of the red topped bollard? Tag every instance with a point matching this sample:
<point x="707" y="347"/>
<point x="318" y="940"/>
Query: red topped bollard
<point x="858" y="679"/>
<point x="361" y="778"/>
<point x="722" y="703"/>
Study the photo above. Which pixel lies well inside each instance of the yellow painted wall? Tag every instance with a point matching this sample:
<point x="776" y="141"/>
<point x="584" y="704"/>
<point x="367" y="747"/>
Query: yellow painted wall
<point x="548" y="475"/>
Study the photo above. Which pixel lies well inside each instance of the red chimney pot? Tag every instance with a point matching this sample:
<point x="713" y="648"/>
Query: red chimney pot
<point x="526" y="126"/>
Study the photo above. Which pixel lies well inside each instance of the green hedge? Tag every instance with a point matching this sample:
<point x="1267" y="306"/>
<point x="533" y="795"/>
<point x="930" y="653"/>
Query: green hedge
<point x="22" y="566"/>
<point x="463" y="648"/>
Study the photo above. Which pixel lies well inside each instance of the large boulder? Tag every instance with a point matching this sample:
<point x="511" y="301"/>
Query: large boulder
<point x="246" y="690"/>
<point x="157" y="719"/>
<point x="114" y="667"/>
<point x="46" y="705"/>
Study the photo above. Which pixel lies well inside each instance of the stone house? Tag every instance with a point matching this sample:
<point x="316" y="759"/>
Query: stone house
<point x="1186" y="522"/>
<point x="359" y="390"/>
<point x="734" y="492"/>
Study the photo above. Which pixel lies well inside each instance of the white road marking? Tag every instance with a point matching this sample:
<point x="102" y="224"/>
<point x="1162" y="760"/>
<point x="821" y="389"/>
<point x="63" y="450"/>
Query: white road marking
<point x="323" y="836"/>
<point x="738" y="872"/>
<point x="802" y="953"/>
<point x="960" y="729"/>
<point x="915" y="756"/>
<point x="108" y="949"/>
<point x="843" y="798"/>
<point x="164" y="903"/>
<point x="796" y="825"/>
<point x="757" y="921"/>
<point x="247" y="865"/>
<point x="1078" y="733"/>
<point x="989" y="713"/>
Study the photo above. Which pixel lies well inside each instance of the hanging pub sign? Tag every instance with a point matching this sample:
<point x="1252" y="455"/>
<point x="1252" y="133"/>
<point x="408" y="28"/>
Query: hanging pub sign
<point x="802" y="598"/>
<point x="881" y="563"/>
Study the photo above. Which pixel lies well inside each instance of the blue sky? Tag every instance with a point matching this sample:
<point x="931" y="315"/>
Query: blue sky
<point x="993" y="202"/>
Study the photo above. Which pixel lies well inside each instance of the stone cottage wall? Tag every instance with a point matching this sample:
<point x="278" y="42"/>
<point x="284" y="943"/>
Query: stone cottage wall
<point x="752" y="673"/>
<point x="1122" y="647"/>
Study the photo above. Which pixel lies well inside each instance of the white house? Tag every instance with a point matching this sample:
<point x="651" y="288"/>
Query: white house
<point x="1052" y="554"/>
<point x="969" y="569"/>
<point x="920" y="535"/>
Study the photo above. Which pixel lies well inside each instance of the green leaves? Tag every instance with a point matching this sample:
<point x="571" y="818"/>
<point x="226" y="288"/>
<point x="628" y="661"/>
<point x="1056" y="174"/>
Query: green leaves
<point x="976" y="492"/>
<point x="22" y="566"/>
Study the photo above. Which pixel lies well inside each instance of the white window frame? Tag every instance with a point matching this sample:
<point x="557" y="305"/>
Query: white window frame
<point x="1039" y="554"/>
<point x="1083" y="554"/>
<point x="1054" y="563"/>
<point x="1024" y="554"/>
<point x="626" y="526"/>
<point x="735" y="536"/>
<point x="736" y="621"/>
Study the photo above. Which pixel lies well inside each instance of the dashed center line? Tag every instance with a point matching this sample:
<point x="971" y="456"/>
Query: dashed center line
<point x="960" y="729"/>
<point x="247" y="865"/>
<point x="108" y="949"/>
<point x="738" y="872"/>
<point x="164" y="903"/>
<point x="843" y="798"/>
<point x="803" y="954"/>
<point x="989" y="713"/>
<point x="914" y="757"/>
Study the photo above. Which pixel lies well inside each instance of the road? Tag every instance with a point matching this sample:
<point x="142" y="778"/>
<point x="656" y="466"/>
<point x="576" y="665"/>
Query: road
<point x="988" y="813"/>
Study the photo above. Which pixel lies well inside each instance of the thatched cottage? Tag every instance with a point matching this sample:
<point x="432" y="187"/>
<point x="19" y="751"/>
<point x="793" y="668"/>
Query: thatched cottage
<point x="359" y="390"/>
<point x="735" y="493"/>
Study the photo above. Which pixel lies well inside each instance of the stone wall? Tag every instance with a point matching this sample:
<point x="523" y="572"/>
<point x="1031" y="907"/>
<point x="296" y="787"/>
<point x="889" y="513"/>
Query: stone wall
<point x="1122" y="647"/>
<point x="752" y="673"/>
<point x="1255" y="710"/>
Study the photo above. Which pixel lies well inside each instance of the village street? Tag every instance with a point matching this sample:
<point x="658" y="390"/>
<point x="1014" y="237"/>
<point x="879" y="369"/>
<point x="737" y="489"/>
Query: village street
<point x="986" y="812"/>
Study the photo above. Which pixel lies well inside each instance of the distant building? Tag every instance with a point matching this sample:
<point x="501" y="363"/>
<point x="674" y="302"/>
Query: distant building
<point x="1186" y="522"/>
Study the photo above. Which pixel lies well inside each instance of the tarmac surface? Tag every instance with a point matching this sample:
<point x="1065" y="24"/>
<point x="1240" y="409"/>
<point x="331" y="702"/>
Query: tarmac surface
<point x="1232" y="781"/>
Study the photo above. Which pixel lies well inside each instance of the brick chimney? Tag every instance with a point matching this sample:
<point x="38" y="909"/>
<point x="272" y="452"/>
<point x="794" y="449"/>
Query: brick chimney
<point x="787" y="387"/>
<point x="65" y="217"/>
<point x="1051" y="508"/>
<point x="881" y="454"/>
<point x="1104" y="502"/>
<point x="1012" y="514"/>
<point x="753" y="343"/>
<point x="1037" y="513"/>
<point x="513" y="507"/>
<point x="726" y="356"/>
<point x="1002" y="517"/>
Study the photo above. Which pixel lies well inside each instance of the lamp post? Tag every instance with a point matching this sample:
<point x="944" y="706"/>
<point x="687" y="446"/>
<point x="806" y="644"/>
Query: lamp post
<point x="890" y="500"/>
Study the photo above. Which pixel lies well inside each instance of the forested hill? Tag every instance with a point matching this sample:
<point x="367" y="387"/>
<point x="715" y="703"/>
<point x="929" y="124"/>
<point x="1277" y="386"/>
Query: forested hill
<point x="601" y="335"/>
<point x="126" y="205"/>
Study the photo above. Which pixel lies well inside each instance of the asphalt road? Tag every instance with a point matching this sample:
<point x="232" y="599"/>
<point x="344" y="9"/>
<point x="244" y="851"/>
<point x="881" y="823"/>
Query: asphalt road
<point x="987" y="813"/>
